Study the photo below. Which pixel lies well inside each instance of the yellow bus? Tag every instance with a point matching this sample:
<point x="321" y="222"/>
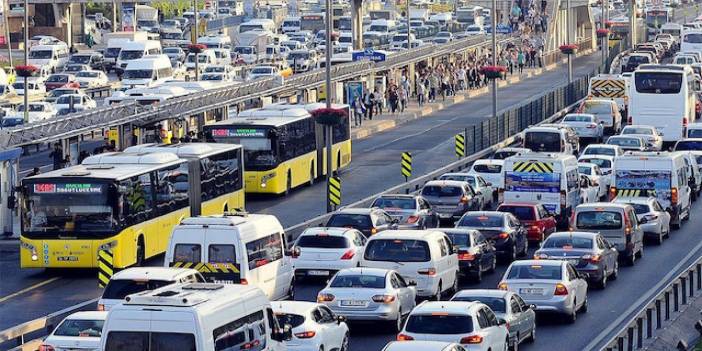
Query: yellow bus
<point x="283" y="146"/>
<point x="125" y="202"/>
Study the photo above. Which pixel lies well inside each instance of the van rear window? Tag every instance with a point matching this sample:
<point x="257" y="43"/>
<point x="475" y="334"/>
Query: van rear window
<point x="599" y="220"/>
<point x="221" y="254"/>
<point x="543" y="141"/>
<point x="487" y="168"/>
<point x="685" y="145"/>
<point x="323" y="242"/>
<point x="187" y="253"/>
<point x="118" y="289"/>
<point x="149" y="341"/>
<point x="400" y="250"/>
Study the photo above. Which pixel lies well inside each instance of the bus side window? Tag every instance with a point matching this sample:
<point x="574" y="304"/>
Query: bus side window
<point x="138" y="199"/>
<point x="172" y="189"/>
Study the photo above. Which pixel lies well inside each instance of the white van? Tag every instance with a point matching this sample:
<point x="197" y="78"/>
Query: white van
<point x="235" y="248"/>
<point x="550" y="179"/>
<point x="548" y="139"/>
<point x="424" y="256"/>
<point x="205" y="58"/>
<point x="147" y="71"/>
<point x="134" y="50"/>
<point x="216" y="41"/>
<point x="54" y="57"/>
<point x="660" y="174"/>
<point x="138" y="279"/>
<point x="111" y="54"/>
<point x="196" y="316"/>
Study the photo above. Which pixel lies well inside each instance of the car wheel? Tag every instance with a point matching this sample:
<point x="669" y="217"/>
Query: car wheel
<point x="437" y="297"/>
<point x="583" y="308"/>
<point x="641" y="252"/>
<point x="493" y="265"/>
<point x="479" y="275"/>
<point x="345" y="343"/>
<point x="573" y="316"/>
<point x="615" y="271"/>
<point x="631" y="259"/>
<point x="659" y="238"/>
<point x="513" y="253"/>
<point x="454" y="287"/>
<point x="532" y="336"/>
<point x="291" y="291"/>
<point x="515" y="344"/>
<point x="603" y="281"/>
<point x="398" y="322"/>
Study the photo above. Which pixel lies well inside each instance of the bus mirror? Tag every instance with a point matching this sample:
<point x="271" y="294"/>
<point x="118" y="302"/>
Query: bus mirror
<point x="11" y="202"/>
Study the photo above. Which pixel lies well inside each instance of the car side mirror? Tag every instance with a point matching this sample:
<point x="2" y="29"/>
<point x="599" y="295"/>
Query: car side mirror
<point x="478" y="192"/>
<point x="488" y="184"/>
<point x="411" y="282"/>
<point x="532" y="307"/>
<point x="340" y="319"/>
<point x="501" y="321"/>
<point x="395" y="221"/>
<point x="643" y="220"/>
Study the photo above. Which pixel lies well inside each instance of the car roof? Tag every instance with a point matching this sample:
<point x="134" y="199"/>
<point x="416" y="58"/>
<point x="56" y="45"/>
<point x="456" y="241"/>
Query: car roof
<point x="456" y="183"/>
<point x="595" y="205"/>
<point x="520" y="204"/>
<point x="538" y="263"/>
<point x="639" y="126"/>
<point x="354" y="210"/>
<point x="377" y="272"/>
<point x="453" y="307"/>
<point x="489" y="161"/>
<point x="405" y="234"/>
<point x="417" y="345"/>
<point x="296" y="307"/>
<point x="465" y="231"/>
<point x="160" y="273"/>
<point x="483" y="292"/>
<point x="487" y="213"/>
<point x="587" y="164"/>
<point x="398" y="196"/>
<point x="633" y="199"/>
<point x="572" y="234"/>
<point x="329" y="231"/>
<point x="595" y="156"/>
<point x="90" y="315"/>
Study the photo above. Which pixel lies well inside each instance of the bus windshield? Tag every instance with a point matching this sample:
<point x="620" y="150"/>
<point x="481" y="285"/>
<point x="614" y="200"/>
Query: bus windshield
<point x="66" y="207"/>
<point x="259" y="149"/>
<point x="658" y="82"/>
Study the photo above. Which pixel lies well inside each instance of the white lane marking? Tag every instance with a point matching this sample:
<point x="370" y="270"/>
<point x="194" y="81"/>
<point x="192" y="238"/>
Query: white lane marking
<point x="28" y="289"/>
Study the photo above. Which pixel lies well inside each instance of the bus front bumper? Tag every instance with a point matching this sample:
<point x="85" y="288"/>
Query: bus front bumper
<point x="62" y="253"/>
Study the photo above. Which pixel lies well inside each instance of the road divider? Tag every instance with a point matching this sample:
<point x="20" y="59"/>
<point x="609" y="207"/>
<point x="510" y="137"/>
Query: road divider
<point x="406" y="165"/>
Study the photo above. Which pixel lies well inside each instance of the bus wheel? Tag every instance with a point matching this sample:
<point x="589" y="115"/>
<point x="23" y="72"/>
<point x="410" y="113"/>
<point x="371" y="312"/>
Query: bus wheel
<point x="338" y="162"/>
<point x="288" y="184"/>
<point x="312" y="174"/>
<point x="226" y="208"/>
<point x="140" y="251"/>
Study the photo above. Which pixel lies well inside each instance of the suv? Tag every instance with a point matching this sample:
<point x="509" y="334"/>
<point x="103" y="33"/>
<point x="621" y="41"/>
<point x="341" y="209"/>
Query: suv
<point x="411" y="211"/>
<point x="93" y="59"/>
<point x="367" y="220"/>
<point x="451" y="198"/>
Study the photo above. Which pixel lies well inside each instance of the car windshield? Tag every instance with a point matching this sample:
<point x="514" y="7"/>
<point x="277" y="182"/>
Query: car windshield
<point x="243" y="50"/>
<point x="600" y="162"/>
<point x="501" y="155"/>
<point x="118" y="289"/>
<point x="74" y="68"/>
<point x="461" y="178"/>
<point x="40" y="54"/>
<point x="215" y="69"/>
<point x="459" y="239"/>
<point x="572" y="118"/>
<point x="138" y="74"/>
<point x="585" y="170"/>
<point x="397" y="250"/>
<point x="523" y="213"/>
<point x="298" y="56"/>
<point x="565" y="242"/>
<point x="535" y="271"/>
<point x="172" y="36"/>
<point x="439" y="323"/>
<point x="543" y="141"/>
<point x="395" y="203"/>
<point x="481" y="221"/>
<point x="683" y="145"/>
<point x="630" y="142"/>
<point x="80" y="59"/>
<point x="496" y="304"/>
<point x="485" y="168"/>
<point x="294" y="320"/>
<point x="262" y="70"/>
<point x="348" y="220"/>
<point x="131" y="54"/>
<point x="66" y="99"/>
<point x="635" y="130"/>
<point x="12" y="122"/>
<point x="171" y="51"/>
<point x="694" y="133"/>
<point x="112" y="52"/>
<point x="32" y="108"/>
<point x="608" y="151"/>
<point x="88" y="74"/>
<point x="641" y="208"/>
<point x="57" y="78"/>
<point x="321" y="241"/>
<point x="599" y="220"/>
<point x="594" y="108"/>
<point x="358" y="281"/>
<point x="80" y="328"/>
<point x="442" y="191"/>
<point x="212" y="76"/>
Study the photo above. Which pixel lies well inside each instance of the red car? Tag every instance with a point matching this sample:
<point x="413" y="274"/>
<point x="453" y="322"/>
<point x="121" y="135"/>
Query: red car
<point x="58" y="80"/>
<point x="539" y="222"/>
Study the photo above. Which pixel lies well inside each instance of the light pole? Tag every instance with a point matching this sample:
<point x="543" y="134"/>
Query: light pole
<point x="493" y="20"/>
<point x="114" y="16"/>
<point x="26" y="59"/>
<point x="632" y="23"/>
<point x="409" y="41"/>
<point x="327" y="69"/>
<point x="568" y="39"/>
<point x="6" y="7"/>
<point x="194" y="39"/>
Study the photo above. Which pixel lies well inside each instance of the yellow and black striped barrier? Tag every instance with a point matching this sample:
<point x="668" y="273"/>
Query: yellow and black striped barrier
<point x="334" y="191"/>
<point x="460" y="145"/>
<point x="106" y="267"/>
<point x="208" y="267"/>
<point x="406" y="165"/>
<point x="636" y="192"/>
<point x="609" y="88"/>
<point x="533" y="167"/>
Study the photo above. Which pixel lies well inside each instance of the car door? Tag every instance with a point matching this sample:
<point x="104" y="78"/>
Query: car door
<point x="516" y="325"/>
<point x="332" y="333"/>
<point x="427" y="213"/>
<point x="449" y="262"/>
<point x="495" y="333"/>
<point x="403" y="292"/>
<point x="606" y="253"/>
<point x="518" y="230"/>
<point x="578" y="284"/>
<point x="528" y="315"/>
<point x="485" y="249"/>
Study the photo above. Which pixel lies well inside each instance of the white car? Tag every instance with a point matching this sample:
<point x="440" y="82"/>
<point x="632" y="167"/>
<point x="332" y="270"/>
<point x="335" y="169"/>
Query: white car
<point x="33" y="88"/>
<point x="215" y="77"/>
<point x="471" y="324"/>
<point x="422" y="346"/>
<point x="78" y="331"/>
<point x="7" y="90"/>
<point x="549" y="285"/>
<point x="263" y="72"/>
<point x="604" y="162"/>
<point x="79" y="101"/>
<point x="38" y="111"/>
<point x="589" y="192"/>
<point x="314" y="326"/>
<point x="491" y="171"/>
<point x="505" y="152"/>
<point x="593" y="172"/>
<point x="475" y="29"/>
<point x="653" y="138"/>
<point x="321" y="252"/>
<point x="602" y="149"/>
<point x="91" y="79"/>
<point x="653" y="219"/>
<point x="585" y="125"/>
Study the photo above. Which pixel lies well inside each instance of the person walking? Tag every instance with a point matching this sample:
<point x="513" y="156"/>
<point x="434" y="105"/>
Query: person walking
<point x="369" y="102"/>
<point x="357" y="107"/>
<point x="393" y="99"/>
<point x="421" y="91"/>
<point x="520" y="61"/>
<point x="35" y="171"/>
<point x="57" y="156"/>
<point x="404" y="98"/>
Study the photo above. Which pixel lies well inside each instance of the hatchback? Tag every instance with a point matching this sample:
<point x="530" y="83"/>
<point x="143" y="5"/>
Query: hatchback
<point x="508" y="306"/>
<point x="422" y="346"/>
<point x="481" y="187"/>
<point x="549" y="285"/>
<point x="369" y="221"/>
<point x="653" y="138"/>
<point x="585" y="125"/>
<point x="321" y="252"/>
<point x="591" y="255"/>
<point x="503" y="229"/>
<point x="653" y="219"/>
<point x="450" y="198"/>
<point x="602" y="149"/>
<point x="370" y="294"/>
<point x="628" y="143"/>
<point x="475" y="253"/>
<point x="606" y="111"/>
<point x="410" y="211"/>
<point x="314" y="326"/>
<point x="78" y="331"/>
<point x="539" y="222"/>
<point x="491" y="171"/>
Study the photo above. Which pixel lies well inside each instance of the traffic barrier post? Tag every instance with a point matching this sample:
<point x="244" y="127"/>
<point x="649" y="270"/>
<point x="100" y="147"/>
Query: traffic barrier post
<point x="460" y="145"/>
<point x="407" y="165"/>
<point x="105" y="267"/>
<point x="334" y="191"/>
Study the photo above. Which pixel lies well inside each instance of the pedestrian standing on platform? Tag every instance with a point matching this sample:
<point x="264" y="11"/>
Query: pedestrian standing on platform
<point x="393" y="99"/>
<point x="369" y="102"/>
<point x="379" y="102"/>
<point x="357" y="107"/>
<point x="404" y="98"/>
<point x="57" y="156"/>
<point x="421" y="92"/>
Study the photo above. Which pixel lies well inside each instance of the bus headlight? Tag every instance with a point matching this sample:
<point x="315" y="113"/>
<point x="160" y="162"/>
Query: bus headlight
<point x="266" y="178"/>
<point x="107" y="246"/>
<point x="35" y="257"/>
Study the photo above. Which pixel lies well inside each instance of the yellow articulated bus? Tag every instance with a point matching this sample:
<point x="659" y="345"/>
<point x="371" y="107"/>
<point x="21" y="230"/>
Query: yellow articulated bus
<point x="125" y="202"/>
<point x="283" y="146"/>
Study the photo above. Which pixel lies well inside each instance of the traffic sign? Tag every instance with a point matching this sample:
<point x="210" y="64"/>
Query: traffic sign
<point x="369" y="54"/>
<point x="106" y="267"/>
<point x="334" y="191"/>
<point x="460" y="145"/>
<point x="406" y="165"/>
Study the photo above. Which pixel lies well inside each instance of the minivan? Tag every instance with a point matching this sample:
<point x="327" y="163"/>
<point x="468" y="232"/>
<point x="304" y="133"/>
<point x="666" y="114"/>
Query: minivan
<point x="617" y="222"/>
<point x="235" y="248"/>
<point x="425" y="256"/>
<point x="53" y="57"/>
<point x="547" y="139"/>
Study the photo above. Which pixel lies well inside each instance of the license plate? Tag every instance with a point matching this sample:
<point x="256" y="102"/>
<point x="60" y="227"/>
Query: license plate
<point x="445" y="215"/>
<point x="531" y="291"/>
<point x="353" y="303"/>
<point x="320" y="273"/>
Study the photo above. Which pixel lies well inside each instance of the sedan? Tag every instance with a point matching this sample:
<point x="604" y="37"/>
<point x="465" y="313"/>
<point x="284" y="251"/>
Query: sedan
<point x="628" y="143"/>
<point x="75" y="68"/>
<point x="321" y="252"/>
<point x="482" y="188"/>
<point x="593" y="172"/>
<point x="585" y="125"/>
<point x="80" y="330"/>
<point x="33" y="88"/>
<point x="508" y="306"/>
<point x="58" y="80"/>
<point x="549" y="285"/>
<point x="508" y="235"/>
<point x="653" y="138"/>
<point x="422" y="346"/>
<point x="602" y="149"/>
<point x="450" y="198"/>
<point x="314" y="326"/>
<point x="592" y="256"/>
<point x="475" y="253"/>
<point x="411" y="211"/>
<point x="589" y="191"/>
<point x="76" y="101"/>
<point x="56" y="93"/>
<point x="369" y="221"/>
<point x="370" y="294"/>
<point x="653" y="219"/>
<point x="604" y="162"/>
<point x="91" y="79"/>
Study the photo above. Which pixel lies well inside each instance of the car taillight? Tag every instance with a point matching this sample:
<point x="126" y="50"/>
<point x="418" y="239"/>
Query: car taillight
<point x="534" y="227"/>
<point x="374" y="231"/>
<point x="560" y="290"/>
<point x="251" y="345"/>
<point x="502" y="286"/>
<point x="348" y="255"/>
<point x="591" y="126"/>
<point x="383" y="298"/>
<point x="674" y="196"/>
<point x="305" y="335"/>
<point x="325" y="297"/>
<point x="540" y="256"/>
<point x="592" y="258"/>
<point x="244" y="281"/>
<point x="630" y="120"/>
<point x="46" y="348"/>
<point x="465" y="256"/>
<point x="403" y="337"/>
<point x="464" y="199"/>
<point x="295" y="252"/>
<point x="473" y="339"/>
<point x="412" y="219"/>
<point x="503" y="235"/>
<point x="612" y="193"/>
<point x="427" y="271"/>
<point x="101" y="307"/>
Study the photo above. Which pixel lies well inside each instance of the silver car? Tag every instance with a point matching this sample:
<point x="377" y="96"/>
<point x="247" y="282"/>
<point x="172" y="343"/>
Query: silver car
<point x="482" y="187"/>
<point x="549" y="285"/>
<point x="411" y="211"/>
<point x="652" y="137"/>
<point x="370" y="294"/>
<point x="450" y="198"/>
<point x="520" y="317"/>
<point x="628" y="143"/>
<point x="585" y="125"/>
<point x="592" y="256"/>
<point x="653" y="219"/>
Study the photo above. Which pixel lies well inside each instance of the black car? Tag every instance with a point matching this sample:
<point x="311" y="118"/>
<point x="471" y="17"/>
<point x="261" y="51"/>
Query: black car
<point x="475" y="253"/>
<point x="368" y="220"/>
<point x="93" y="59"/>
<point x="508" y="235"/>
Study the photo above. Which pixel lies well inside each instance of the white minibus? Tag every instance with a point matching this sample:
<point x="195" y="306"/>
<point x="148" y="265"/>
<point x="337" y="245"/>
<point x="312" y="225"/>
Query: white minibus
<point x="147" y="71"/>
<point x="134" y="50"/>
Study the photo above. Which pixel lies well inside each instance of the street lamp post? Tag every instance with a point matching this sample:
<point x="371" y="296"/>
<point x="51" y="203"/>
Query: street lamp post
<point x="194" y="41"/>
<point x="26" y="59"/>
<point x="604" y="18"/>
<point x="327" y="69"/>
<point x="409" y="41"/>
<point x="493" y="20"/>
<point x="568" y="39"/>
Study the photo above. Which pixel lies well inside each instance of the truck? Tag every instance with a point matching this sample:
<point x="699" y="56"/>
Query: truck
<point x="146" y="18"/>
<point x="613" y="87"/>
<point x="419" y="14"/>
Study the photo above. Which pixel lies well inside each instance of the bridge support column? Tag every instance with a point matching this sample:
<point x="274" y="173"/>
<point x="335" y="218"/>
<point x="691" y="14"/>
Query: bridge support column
<point x="357" y="24"/>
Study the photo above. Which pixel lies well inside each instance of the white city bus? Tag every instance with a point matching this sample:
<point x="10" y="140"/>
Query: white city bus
<point x="663" y="96"/>
<point x="691" y="41"/>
